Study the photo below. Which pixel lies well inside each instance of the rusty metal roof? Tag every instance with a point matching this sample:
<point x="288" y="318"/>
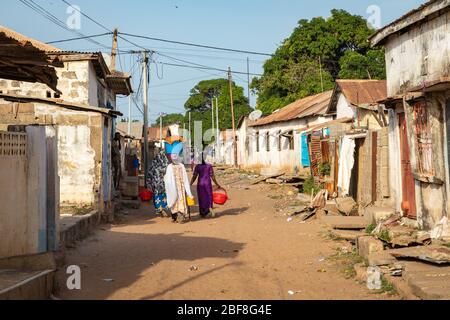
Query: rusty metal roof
<point x="119" y="82"/>
<point x="409" y="19"/>
<point x="359" y="92"/>
<point x="24" y="60"/>
<point x="21" y="38"/>
<point x="306" y="107"/>
<point x="137" y="129"/>
<point x="155" y="135"/>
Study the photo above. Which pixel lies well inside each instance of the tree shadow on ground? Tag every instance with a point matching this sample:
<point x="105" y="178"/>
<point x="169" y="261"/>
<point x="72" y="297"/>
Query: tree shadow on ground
<point x="118" y="260"/>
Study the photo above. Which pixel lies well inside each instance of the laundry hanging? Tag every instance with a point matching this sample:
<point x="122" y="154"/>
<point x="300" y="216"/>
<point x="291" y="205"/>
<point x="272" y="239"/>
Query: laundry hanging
<point x="346" y="163"/>
<point x="306" y="162"/>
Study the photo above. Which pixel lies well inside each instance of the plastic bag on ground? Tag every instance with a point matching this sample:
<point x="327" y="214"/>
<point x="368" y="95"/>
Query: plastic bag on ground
<point x="441" y="230"/>
<point x="373" y="278"/>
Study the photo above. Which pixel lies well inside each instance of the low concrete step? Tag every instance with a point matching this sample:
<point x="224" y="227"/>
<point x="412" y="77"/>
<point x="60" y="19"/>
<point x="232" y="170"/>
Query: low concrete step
<point x="346" y="223"/>
<point x="76" y="228"/>
<point x="377" y="214"/>
<point x="28" y="277"/>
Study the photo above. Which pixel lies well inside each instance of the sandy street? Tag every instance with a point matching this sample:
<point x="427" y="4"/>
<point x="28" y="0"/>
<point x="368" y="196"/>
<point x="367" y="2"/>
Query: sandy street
<point x="250" y="251"/>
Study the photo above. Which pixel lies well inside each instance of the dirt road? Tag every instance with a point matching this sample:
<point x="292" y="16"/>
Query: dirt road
<point x="249" y="251"/>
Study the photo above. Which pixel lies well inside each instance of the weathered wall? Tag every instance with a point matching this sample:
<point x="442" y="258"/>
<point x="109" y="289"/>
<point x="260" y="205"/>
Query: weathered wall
<point x="419" y="55"/>
<point x="29" y="214"/>
<point x="76" y="165"/>
<point x="344" y="109"/>
<point x="81" y="144"/>
<point x="73" y="82"/>
<point x="286" y="159"/>
<point x="77" y="81"/>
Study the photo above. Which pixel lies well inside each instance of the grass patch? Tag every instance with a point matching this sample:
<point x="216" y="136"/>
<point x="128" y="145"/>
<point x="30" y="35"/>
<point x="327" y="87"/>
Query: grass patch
<point x="384" y="236"/>
<point x="387" y="288"/>
<point x="78" y="211"/>
<point x="346" y="261"/>
<point x="310" y="186"/>
<point x="447" y="245"/>
<point x="276" y="197"/>
<point x="370" y="228"/>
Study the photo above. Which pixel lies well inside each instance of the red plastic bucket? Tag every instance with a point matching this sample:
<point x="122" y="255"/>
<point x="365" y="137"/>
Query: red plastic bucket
<point x="220" y="197"/>
<point x="146" y="195"/>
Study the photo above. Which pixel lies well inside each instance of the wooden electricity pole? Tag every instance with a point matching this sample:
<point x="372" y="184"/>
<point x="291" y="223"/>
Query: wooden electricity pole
<point x="230" y="81"/>
<point x="114" y="50"/>
<point x="145" y="99"/>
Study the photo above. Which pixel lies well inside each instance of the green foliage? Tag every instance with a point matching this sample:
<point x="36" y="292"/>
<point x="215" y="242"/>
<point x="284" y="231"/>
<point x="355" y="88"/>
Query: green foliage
<point x="199" y="103"/>
<point x="310" y="186"/>
<point x="325" y="169"/>
<point x="169" y="119"/>
<point x="337" y="46"/>
<point x="347" y="260"/>
<point x="370" y="228"/>
<point x="384" y="236"/>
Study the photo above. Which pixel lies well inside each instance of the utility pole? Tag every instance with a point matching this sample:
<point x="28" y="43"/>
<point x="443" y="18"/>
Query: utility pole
<point x="217" y="129"/>
<point x="145" y="93"/>
<point x="320" y="69"/>
<point x="114" y="50"/>
<point x="129" y="114"/>
<point x="213" y="121"/>
<point x="248" y="80"/>
<point x="230" y="81"/>
<point x="160" y="130"/>
<point x="190" y="137"/>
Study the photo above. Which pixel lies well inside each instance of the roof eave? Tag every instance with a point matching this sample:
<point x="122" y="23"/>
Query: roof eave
<point x="409" y="19"/>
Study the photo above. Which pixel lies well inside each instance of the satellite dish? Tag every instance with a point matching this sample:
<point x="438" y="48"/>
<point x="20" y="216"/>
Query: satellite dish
<point x="255" y="115"/>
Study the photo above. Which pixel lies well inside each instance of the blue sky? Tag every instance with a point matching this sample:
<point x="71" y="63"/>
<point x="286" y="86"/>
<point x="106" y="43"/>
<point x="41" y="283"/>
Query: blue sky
<point x="253" y="25"/>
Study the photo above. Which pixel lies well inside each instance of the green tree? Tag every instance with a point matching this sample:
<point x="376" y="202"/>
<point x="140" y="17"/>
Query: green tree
<point x="200" y="103"/>
<point x="318" y="52"/>
<point x="170" y="119"/>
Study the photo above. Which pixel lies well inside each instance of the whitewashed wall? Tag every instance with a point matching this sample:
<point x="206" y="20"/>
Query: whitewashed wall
<point x="286" y="159"/>
<point x="420" y="55"/>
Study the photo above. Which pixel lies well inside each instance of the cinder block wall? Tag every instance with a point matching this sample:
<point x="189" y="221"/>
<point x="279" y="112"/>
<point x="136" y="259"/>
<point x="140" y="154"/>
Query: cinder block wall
<point x="73" y="82"/>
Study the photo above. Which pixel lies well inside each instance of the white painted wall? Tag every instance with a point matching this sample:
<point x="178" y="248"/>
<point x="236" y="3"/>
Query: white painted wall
<point x="76" y="165"/>
<point x="420" y="55"/>
<point x="286" y="159"/>
<point x="344" y="109"/>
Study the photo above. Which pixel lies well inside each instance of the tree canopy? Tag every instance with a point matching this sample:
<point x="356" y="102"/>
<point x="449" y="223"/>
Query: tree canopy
<point x="200" y="103"/>
<point x="317" y="53"/>
<point x="169" y="119"/>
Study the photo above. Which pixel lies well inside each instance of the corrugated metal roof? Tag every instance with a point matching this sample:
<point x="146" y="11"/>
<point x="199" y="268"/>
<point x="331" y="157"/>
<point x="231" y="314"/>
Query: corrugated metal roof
<point x="306" y="107"/>
<point x="21" y="60"/>
<point x="358" y="92"/>
<point x="20" y="37"/>
<point x="137" y="129"/>
<point x="155" y="135"/>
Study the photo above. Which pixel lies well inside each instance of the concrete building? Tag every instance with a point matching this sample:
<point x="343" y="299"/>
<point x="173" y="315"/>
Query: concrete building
<point x="362" y="170"/>
<point x="83" y="110"/>
<point x="275" y="142"/>
<point x="417" y="48"/>
<point x="29" y="184"/>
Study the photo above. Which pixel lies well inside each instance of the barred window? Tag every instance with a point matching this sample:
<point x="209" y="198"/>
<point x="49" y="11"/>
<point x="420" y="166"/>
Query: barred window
<point x="423" y="138"/>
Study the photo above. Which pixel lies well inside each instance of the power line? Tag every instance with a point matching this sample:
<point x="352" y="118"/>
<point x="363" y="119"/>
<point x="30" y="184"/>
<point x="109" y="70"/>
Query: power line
<point x="52" y="18"/>
<point x="208" y="68"/>
<point x="80" y="38"/>
<point x="194" y="44"/>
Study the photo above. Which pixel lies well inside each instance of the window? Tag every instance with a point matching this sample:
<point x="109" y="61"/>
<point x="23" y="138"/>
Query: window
<point x="423" y="137"/>
<point x="291" y="140"/>
<point x="279" y="140"/>
<point x="257" y="141"/>
<point x="267" y="141"/>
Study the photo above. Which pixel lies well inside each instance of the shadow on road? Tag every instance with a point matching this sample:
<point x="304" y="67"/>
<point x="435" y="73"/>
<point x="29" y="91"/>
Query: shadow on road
<point x="126" y="257"/>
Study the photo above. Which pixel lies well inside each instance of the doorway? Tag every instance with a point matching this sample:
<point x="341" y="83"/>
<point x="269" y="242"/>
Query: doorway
<point x="408" y="183"/>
